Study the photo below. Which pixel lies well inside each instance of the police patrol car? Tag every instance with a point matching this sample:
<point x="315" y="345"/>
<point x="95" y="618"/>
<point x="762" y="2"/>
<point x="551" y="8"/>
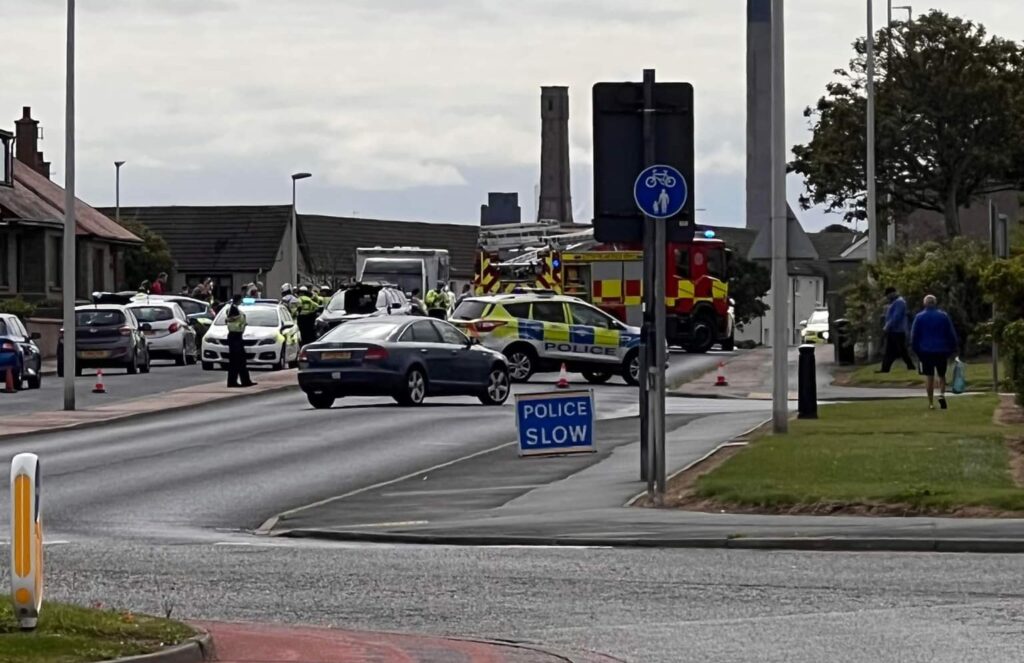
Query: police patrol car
<point x="538" y="332"/>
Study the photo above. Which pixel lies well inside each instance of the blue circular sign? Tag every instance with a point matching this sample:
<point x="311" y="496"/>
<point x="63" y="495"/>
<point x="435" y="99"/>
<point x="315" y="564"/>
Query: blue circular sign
<point x="660" y="192"/>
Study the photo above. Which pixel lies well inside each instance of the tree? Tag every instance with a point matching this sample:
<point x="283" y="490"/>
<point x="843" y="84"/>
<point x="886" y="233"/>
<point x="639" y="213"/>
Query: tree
<point x="142" y="263"/>
<point x="837" y="228"/>
<point x="950" y="122"/>
<point x="749" y="282"/>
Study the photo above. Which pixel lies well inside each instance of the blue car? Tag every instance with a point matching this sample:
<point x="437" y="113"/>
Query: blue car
<point x="19" y="353"/>
<point x="405" y="357"/>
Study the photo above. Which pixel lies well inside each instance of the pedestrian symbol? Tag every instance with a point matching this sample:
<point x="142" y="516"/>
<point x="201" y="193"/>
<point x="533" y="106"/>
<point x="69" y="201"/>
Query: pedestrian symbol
<point x="660" y="192"/>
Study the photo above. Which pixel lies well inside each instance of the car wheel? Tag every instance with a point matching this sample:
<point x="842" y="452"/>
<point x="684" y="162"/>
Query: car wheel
<point x="320" y="401"/>
<point x="703" y="335"/>
<point x="78" y="372"/>
<point x="36" y="381"/>
<point x="415" y="388"/>
<point x="182" y="359"/>
<point x="631" y="368"/>
<point x="282" y="363"/>
<point x="144" y="368"/>
<point x="522" y="363"/>
<point x="729" y="344"/>
<point x="596" y="377"/>
<point x="192" y="357"/>
<point x="498" y="387"/>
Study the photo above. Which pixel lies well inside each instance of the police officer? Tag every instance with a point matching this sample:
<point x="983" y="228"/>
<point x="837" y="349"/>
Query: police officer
<point x="437" y="302"/>
<point x="237" y="368"/>
<point x="325" y="296"/>
<point x="289" y="299"/>
<point x="307" y="316"/>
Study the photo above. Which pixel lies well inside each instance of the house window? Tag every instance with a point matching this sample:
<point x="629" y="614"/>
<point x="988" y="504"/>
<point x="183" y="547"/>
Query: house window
<point x="5" y="262"/>
<point x="56" y="261"/>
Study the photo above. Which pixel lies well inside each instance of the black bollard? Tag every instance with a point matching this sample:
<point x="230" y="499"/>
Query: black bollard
<point x="808" y="386"/>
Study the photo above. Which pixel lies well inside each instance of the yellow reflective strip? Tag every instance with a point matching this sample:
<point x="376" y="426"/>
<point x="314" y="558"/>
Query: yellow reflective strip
<point x="611" y="289"/>
<point x="22" y="525"/>
<point x="556" y="333"/>
<point x="606" y="337"/>
<point x="686" y="289"/>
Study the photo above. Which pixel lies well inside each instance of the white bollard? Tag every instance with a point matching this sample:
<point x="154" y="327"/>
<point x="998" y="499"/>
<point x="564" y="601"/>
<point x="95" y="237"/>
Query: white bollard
<point x="26" y="541"/>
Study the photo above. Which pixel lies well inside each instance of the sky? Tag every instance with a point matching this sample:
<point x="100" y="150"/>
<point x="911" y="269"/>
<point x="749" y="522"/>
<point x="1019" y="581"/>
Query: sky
<point x="401" y="109"/>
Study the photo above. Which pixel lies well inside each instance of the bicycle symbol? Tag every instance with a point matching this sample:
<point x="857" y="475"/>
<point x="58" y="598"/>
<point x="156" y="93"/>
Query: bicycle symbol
<point x="661" y="177"/>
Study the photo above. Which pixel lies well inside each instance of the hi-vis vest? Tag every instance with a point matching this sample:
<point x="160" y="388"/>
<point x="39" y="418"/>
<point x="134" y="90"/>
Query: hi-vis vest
<point x="236" y="324"/>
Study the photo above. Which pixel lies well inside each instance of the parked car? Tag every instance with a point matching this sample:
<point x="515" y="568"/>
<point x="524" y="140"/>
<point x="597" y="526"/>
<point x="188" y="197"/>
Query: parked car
<point x="19" y="353"/>
<point x="199" y="313"/>
<point x="107" y="336"/>
<point x="171" y="336"/>
<point x="406" y="357"/>
<point x="815" y="328"/>
<point x="362" y="300"/>
<point x="271" y="338"/>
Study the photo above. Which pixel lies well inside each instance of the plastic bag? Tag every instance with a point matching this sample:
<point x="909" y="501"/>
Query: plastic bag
<point x="959" y="377"/>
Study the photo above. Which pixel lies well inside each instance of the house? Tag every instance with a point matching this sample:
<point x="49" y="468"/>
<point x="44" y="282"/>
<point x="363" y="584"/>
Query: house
<point x="32" y="229"/>
<point x="240" y="244"/>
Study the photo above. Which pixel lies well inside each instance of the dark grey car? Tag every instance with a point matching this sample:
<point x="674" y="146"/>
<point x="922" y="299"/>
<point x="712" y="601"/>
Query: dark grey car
<point x="107" y="336"/>
<point x="407" y="358"/>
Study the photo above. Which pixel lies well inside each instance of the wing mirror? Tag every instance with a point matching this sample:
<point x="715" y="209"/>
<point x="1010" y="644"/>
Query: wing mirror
<point x="803" y="323"/>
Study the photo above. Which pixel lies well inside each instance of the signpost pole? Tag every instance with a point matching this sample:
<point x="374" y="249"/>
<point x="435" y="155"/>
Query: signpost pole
<point x="658" y="428"/>
<point x="647" y="451"/>
<point x="780" y="265"/>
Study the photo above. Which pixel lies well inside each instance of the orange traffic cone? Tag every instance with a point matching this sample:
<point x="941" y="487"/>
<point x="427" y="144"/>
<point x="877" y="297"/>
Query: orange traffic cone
<point x="9" y="381"/>
<point x="721" y="381"/>
<point x="563" y="378"/>
<point x="99" y="388"/>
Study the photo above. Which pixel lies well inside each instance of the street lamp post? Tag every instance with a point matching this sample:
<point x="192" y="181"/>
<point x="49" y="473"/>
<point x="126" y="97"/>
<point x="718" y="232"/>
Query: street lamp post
<point x="117" y="190"/>
<point x="871" y="202"/>
<point x="779" y="221"/>
<point x="68" y="285"/>
<point x="294" y="267"/>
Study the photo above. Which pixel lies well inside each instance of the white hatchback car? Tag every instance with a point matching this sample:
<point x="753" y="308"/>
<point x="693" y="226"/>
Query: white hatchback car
<point x="170" y="335"/>
<point x="271" y="338"/>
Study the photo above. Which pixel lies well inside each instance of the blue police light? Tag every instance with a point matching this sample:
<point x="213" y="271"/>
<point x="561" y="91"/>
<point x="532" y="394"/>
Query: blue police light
<point x="556" y="263"/>
<point x="709" y="234"/>
<point x="248" y="300"/>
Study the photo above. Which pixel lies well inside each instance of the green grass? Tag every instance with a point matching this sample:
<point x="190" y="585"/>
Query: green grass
<point x="979" y="376"/>
<point x="894" y="452"/>
<point x="70" y="634"/>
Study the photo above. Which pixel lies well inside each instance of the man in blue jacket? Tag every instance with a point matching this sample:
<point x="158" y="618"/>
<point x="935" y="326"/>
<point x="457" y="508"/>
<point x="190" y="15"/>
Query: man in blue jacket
<point x="934" y="340"/>
<point x="895" y="332"/>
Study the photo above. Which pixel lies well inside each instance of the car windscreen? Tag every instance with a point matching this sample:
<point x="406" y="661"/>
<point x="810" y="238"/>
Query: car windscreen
<point x="470" y="309"/>
<point x="818" y="318"/>
<point x="99" y="318"/>
<point x="191" y="308"/>
<point x="255" y="316"/>
<point x="153" y="313"/>
<point x="361" y="331"/>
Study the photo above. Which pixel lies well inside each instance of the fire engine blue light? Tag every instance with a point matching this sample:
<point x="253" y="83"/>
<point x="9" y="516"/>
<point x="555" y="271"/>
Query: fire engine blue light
<point x="710" y="234"/>
<point x="556" y="263"/>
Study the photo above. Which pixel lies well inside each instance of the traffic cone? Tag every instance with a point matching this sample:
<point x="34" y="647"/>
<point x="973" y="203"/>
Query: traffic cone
<point x="9" y="381"/>
<point x="563" y="378"/>
<point x="99" y="388"/>
<point x="721" y="381"/>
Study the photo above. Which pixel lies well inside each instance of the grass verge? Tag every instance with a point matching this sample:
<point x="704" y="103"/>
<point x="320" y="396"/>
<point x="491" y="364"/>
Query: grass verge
<point x="979" y="376"/>
<point x="875" y="457"/>
<point x="71" y="634"/>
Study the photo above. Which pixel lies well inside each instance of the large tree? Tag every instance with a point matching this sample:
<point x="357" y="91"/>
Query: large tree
<point x="950" y="122"/>
<point x="145" y="262"/>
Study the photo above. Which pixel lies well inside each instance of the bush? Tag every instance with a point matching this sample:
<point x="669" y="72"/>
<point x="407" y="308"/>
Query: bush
<point x="18" y="307"/>
<point x="1013" y="349"/>
<point x="1004" y="283"/>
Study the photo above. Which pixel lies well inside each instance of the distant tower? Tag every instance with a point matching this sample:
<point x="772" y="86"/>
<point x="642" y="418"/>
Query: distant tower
<point x="501" y="209"/>
<point x="555" y="195"/>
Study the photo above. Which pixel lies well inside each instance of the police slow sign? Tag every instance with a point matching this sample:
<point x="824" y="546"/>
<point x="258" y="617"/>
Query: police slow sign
<point x="555" y="423"/>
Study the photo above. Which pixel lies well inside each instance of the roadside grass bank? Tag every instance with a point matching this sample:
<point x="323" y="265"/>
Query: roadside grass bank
<point x="885" y="458"/>
<point x="72" y="634"/>
<point x="979" y="376"/>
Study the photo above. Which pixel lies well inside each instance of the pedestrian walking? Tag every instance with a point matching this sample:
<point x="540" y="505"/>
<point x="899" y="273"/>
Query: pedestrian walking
<point x="238" y="370"/>
<point x="934" y="340"/>
<point x="895" y="329"/>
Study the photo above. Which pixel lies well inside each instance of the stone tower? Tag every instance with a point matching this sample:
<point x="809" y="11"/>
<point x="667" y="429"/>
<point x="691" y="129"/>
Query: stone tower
<point x="555" y="195"/>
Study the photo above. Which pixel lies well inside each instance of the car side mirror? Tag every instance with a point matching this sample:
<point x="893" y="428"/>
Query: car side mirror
<point x="145" y="326"/>
<point x="35" y="336"/>
<point x="803" y="323"/>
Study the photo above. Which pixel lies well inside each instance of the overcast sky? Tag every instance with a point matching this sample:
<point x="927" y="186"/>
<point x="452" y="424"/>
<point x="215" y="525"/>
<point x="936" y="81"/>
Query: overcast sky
<point x="405" y="109"/>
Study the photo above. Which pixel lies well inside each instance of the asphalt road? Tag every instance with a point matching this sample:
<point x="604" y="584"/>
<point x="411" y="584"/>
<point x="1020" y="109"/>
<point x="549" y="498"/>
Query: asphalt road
<point x="164" y="376"/>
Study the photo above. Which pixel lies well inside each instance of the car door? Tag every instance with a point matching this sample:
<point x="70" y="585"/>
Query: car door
<point x="33" y="358"/>
<point x="138" y="336"/>
<point x="465" y="365"/>
<point x="556" y="343"/>
<point x="182" y="319"/>
<point x="424" y="341"/>
<point x="595" y="335"/>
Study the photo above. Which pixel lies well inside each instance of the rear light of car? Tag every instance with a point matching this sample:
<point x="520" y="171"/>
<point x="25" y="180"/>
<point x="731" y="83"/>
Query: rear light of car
<point x="7" y="346"/>
<point x="486" y="326"/>
<point x="173" y="328"/>
<point x="125" y="331"/>
<point x="375" y="354"/>
<point x="303" y="356"/>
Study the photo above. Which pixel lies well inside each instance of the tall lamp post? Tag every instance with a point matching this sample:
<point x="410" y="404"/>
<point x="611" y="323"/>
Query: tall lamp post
<point x="779" y="221"/>
<point x="872" y="206"/>
<point x="294" y="267"/>
<point x="117" y="190"/>
<point x="68" y="285"/>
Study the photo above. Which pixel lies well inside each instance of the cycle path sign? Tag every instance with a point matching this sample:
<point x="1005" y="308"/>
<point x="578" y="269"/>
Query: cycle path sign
<point x="660" y="192"/>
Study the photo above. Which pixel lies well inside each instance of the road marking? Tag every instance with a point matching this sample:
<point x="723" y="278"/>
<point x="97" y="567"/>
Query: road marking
<point x="267" y="526"/>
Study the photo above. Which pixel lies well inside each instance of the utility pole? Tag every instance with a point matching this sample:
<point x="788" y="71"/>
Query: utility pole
<point x="68" y="285"/>
<point x="780" y="267"/>
<point x="872" y="202"/>
<point x="117" y="191"/>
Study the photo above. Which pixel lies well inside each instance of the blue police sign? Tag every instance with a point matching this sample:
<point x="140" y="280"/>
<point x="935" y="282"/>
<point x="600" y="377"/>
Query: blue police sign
<point x="660" y="192"/>
<point x="555" y="423"/>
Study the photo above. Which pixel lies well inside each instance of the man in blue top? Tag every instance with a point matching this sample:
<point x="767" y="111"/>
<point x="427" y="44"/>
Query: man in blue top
<point x="934" y="340"/>
<point x="895" y="332"/>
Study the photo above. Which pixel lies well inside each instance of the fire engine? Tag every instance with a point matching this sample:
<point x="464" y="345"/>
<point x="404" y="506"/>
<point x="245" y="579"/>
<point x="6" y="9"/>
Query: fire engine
<point x="546" y="257"/>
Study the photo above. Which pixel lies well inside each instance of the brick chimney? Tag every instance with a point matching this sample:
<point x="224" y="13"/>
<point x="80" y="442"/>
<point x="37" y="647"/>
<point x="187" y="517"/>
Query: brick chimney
<point x="27" y="143"/>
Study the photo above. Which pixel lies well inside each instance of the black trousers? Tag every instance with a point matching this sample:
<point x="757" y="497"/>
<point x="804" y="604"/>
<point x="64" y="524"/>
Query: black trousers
<point x="896" y="348"/>
<point x="237" y="368"/>
<point x="307" y="328"/>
